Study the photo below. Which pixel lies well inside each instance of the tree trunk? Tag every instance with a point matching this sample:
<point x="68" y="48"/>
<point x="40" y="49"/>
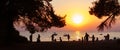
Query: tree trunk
<point x="31" y="37"/>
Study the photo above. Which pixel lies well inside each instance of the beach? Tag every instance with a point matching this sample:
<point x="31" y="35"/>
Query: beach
<point x="65" y="45"/>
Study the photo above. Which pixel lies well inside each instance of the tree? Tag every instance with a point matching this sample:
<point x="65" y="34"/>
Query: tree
<point x="37" y="14"/>
<point x="105" y="8"/>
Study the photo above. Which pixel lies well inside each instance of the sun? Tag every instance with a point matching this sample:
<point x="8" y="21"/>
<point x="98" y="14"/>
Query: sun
<point x="77" y="19"/>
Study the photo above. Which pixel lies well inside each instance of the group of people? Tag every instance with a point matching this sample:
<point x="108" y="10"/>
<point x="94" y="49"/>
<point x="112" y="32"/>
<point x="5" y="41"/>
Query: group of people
<point x="38" y="38"/>
<point x="85" y="38"/>
<point x="53" y="39"/>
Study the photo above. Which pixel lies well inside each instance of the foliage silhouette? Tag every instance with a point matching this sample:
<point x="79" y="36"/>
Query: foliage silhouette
<point x="105" y="8"/>
<point x="37" y="14"/>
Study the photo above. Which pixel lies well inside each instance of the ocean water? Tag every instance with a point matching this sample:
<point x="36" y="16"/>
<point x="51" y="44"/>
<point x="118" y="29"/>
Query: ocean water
<point x="74" y="35"/>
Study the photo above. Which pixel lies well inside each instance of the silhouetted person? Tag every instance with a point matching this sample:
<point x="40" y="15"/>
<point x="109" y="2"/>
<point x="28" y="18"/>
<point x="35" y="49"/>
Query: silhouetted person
<point x="82" y="39"/>
<point x="97" y="39"/>
<point x="52" y="36"/>
<point x="60" y="39"/>
<point x="68" y="37"/>
<point x="38" y="39"/>
<point x="86" y="37"/>
<point x="107" y="37"/>
<point x="31" y="38"/>
<point x="93" y="38"/>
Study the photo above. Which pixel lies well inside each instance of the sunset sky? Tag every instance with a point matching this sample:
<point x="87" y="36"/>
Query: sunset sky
<point x="79" y="8"/>
<point x="78" y="20"/>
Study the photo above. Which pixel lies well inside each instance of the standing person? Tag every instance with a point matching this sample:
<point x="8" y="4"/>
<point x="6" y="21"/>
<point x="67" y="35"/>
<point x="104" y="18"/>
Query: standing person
<point x="60" y="39"/>
<point x="107" y="37"/>
<point x="38" y="39"/>
<point x="52" y="37"/>
<point x="97" y="39"/>
<point x="86" y="37"/>
<point x="68" y="37"/>
<point x="82" y="39"/>
<point x="93" y="38"/>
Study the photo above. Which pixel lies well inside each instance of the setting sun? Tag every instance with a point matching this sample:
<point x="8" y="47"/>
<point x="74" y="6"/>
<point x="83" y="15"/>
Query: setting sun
<point x="77" y="19"/>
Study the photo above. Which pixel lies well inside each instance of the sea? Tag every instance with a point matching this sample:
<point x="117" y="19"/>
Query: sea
<point x="74" y="35"/>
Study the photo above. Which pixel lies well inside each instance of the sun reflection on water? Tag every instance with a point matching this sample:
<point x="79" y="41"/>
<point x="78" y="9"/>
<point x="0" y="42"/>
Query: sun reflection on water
<point x="78" y="35"/>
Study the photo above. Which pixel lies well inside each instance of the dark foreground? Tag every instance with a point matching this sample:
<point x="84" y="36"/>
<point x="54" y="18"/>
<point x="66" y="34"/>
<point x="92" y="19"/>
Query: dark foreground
<point x="101" y="45"/>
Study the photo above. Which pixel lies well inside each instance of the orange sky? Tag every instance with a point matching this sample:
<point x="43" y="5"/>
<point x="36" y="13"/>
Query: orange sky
<point x="72" y="7"/>
<point x="81" y="8"/>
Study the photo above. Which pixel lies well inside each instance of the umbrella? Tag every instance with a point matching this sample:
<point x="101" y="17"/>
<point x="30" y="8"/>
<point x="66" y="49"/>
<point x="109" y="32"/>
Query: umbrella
<point x="54" y="34"/>
<point x="65" y="35"/>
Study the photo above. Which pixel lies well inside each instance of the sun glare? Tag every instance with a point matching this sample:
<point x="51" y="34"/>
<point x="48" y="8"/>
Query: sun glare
<point x="77" y="19"/>
<point x="78" y="35"/>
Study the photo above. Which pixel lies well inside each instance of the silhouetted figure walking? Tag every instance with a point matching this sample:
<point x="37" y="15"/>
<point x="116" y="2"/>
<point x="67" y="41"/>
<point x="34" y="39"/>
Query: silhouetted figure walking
<point x="86" y="37"/>
<point x="93" y="38"/>
<point x="60" y="39"/>
<point x="30" y="38"/>
<point x="52" y="36"/>
<point x="38" y="39"/>
<point x="107" y="37"/>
